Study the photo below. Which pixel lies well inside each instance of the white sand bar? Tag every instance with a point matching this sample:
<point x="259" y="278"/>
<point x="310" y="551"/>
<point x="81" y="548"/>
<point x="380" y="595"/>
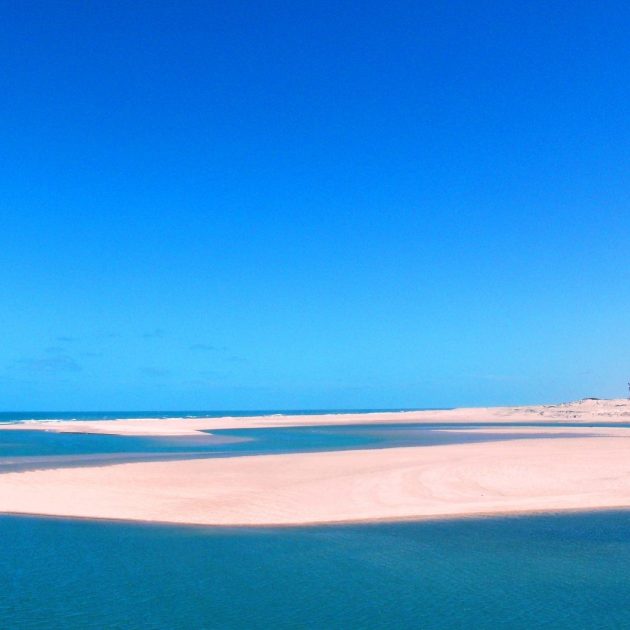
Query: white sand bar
<point x="587" y="471"/>
<point x="583" y="411"/>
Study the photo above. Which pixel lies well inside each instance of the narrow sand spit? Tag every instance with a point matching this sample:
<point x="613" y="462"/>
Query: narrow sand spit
<point x="555" y="473"/>
<point x="583" y="411"/>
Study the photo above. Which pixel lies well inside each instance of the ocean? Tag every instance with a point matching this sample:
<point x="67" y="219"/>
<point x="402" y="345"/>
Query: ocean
<point x="27" y="416"/>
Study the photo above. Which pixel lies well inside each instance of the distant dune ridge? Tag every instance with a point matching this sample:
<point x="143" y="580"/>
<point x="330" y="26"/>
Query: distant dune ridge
<point x="589" y="470"/>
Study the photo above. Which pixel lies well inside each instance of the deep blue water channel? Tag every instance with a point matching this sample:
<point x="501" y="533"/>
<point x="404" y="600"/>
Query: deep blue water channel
<point x="559" y="571"/>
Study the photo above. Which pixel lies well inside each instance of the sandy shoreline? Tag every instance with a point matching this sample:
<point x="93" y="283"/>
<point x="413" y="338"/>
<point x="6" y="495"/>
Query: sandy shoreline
<point x="352" y="522"/>
<point x="415" y="482"/>
<point x="579" y="412"/>
<point x="587" y="468"/>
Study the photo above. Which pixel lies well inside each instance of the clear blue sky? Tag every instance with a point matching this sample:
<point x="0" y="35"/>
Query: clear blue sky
<point x="313" y="204"/>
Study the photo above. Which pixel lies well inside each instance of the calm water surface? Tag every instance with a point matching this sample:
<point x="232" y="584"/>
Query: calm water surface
<point x="562" y="571"/>
<point x="32" y="449"/>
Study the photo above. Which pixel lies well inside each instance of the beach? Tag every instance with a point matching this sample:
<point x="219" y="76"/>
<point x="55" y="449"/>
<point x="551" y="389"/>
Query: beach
<point x="584" y="411"/>
<point x="583" y="468"/>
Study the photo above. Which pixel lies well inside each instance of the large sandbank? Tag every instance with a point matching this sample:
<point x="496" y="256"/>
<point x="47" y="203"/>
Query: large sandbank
<point x="589" y="470"/>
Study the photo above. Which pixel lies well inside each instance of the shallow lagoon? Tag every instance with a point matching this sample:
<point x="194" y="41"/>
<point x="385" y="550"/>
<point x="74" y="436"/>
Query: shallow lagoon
<point x="33" y="449"/>
<point x="556" y="571"/>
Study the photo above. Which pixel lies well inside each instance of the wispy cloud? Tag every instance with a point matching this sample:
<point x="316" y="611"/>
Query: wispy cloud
<point x="154" y="372"/>
<point x="158" y="333"/>
<point x="108" y="335"/>
<point x="50" y="364"/>
<point x="206" y="347"/>
<point x="499" y="378"/>
<point x="236" y="359"/>
<point x="54" y="350"/>
<point x="212" y="373"/>
<point x="205" y="382"/>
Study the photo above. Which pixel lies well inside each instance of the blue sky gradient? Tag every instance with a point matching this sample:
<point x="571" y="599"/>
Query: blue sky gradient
<point x="296" y="205"/>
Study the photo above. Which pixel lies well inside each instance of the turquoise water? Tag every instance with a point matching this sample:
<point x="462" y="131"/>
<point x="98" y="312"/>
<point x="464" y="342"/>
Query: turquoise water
<point x="562" y="571"/>
<point x="32" y="449"/>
